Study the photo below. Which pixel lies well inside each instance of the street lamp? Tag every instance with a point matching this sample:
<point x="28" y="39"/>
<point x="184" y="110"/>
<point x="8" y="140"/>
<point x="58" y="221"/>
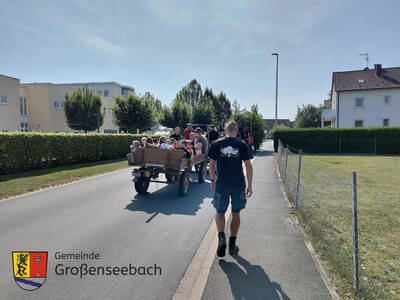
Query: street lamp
<point x="276" y="92"/>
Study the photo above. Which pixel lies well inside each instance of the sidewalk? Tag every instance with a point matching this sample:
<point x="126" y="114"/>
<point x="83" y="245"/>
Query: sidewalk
<point x="273" y="261"/>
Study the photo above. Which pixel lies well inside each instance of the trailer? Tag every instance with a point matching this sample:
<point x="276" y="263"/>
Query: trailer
<point x="149" y="163"/>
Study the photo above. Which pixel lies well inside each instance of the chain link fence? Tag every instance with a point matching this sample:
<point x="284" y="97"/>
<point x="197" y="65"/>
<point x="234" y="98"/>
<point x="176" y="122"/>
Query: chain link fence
<point x="324" y="205"/>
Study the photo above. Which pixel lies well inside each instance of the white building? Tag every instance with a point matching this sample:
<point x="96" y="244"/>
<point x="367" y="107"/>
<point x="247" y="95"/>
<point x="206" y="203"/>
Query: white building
<point x="365" y="98"/>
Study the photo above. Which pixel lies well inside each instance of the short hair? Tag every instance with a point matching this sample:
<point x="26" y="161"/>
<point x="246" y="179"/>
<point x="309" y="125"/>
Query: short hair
<point x="177" y="127"/>
<point x="231" y="126"/>
<point x="136" y="143"/>
<point x="149" y="140"/>
<point x="212" y="126"/>
<point x="163" y="139"/>
<point x="198" y="129"/>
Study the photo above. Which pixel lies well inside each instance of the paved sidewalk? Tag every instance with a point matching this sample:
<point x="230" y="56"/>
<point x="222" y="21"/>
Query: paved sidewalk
<point x="273" y="261"/>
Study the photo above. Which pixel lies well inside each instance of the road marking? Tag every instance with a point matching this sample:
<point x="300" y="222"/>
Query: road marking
<point x="194" y="280"/>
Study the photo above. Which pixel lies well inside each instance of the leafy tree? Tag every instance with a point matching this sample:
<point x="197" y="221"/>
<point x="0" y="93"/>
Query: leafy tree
<point x="83" y="110"/>
<point x="191" y="94"/>
<point x="222" y="110"/>
<point x="236" y="107"/>
<point x="208" y="97"/>
<point x="177" y="115"/>
<point x="133" y="112"/>
<point x="308" y="116"/>
<point x="203" y="114"/>
<point x="253" y="123"/>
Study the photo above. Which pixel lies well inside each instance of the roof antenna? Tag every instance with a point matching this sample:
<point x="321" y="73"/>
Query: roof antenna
<point x="366" y="58"/>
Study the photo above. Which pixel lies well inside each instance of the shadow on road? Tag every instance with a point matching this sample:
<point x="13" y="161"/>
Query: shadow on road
<point x="166" y="200"/>
<point x="253" y="283"/>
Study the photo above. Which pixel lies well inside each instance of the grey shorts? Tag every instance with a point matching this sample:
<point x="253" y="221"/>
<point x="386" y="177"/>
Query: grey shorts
<point x="238" y="200"/>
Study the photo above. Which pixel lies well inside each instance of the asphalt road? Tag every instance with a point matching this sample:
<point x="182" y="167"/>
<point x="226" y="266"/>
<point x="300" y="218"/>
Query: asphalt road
<point x="104" y="215"/>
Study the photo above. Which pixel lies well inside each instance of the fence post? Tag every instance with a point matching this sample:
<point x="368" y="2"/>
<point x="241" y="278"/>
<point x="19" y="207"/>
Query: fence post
<point x="298" y="180"/>
<point x="340" y="145"/>
<point x="375" y="145"/>
<point x="355" y="232"/>
<point x="287" y="151"/>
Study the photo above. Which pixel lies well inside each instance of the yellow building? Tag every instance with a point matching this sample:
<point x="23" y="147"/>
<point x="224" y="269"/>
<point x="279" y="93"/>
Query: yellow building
<point x="9" y="104"/>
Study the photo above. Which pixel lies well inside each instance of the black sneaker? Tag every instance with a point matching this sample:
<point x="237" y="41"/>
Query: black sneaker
<point x="221" y="247"/>
<point x="233" y="249"/>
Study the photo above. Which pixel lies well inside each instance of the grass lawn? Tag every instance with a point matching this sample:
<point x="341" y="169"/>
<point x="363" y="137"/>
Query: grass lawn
<point x="326" y="212"/>
<point x="20" y="183"/>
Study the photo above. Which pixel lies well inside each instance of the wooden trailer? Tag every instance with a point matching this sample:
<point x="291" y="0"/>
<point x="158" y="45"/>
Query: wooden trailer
<point x="149" y="163"/>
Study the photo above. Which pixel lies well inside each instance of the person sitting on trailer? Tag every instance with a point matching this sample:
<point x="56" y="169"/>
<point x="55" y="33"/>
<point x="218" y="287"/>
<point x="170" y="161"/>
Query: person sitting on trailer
<point x="143" y="141"/>
<point x="183" y="146"/>
<point x="149" y="143"/>
<point x="164" y="143"/>
<point x="135" y="145"/>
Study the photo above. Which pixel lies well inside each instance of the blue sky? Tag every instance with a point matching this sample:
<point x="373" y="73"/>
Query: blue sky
<point x="160" y="45"/>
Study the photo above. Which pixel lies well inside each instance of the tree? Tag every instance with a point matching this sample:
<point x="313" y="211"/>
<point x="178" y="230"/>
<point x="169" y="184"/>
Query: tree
<point x="253" y="123"/>
<point x="177" y="115"/>
<point x="236" y="107"/>
<point x="308" y="116"/>
<point x="203" y="114"/>
<point x="208" y="97"/>
<point x="222" y="110"/>
<point x="134" y="112"/>
<point x="191" y="94"/>
<point x="83" y="110"/>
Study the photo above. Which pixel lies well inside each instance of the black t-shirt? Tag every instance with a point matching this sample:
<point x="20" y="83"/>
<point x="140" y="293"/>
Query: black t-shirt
<point x="175" y="136"/>
<point x="213" y="135"/>
<point x="230" y="152"/>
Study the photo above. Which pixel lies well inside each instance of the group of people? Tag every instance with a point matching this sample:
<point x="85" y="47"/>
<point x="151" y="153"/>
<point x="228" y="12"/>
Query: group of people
<point x="195" y="143"/>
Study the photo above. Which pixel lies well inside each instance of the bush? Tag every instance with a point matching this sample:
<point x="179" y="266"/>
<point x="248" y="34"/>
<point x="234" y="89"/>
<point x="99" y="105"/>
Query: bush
<point x="21" y="151"/>
<point x="372" y="140"/>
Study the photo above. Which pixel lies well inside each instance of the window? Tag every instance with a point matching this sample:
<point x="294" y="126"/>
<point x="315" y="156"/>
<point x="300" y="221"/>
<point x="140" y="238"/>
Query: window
<point x="23" y="109"/>
<point x="98" y="92"/>
<point x="359" y="123"/>
<point x="4" y="100"/>
<point x="24" y="127"/>
<point x="106" y="93"/>
<point x="359" y="102"/>
<point x="58" y="105"/>
<point x="385" y="122"/>
<point x="386" y="100"/>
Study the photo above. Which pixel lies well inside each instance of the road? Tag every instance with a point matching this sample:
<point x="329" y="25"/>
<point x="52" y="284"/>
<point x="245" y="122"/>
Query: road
<point x="104" y="215"/>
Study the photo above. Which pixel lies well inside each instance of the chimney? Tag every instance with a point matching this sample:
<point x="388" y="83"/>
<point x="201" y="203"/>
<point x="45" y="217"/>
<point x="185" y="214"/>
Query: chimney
<point x="378" y="70"/>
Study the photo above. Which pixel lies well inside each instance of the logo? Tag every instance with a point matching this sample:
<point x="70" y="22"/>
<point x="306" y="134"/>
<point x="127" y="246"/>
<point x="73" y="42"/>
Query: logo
<point x="229" y="152"/>
<point x="29" y="269"/>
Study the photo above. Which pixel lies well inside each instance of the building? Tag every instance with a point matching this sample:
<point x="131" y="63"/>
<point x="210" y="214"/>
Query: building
<point x="281" y="122"/>
<point x="9" y="103"/>
<point x="40" y="106"/>
<point x="364" y="98"/>
<point x="46" y="107"/>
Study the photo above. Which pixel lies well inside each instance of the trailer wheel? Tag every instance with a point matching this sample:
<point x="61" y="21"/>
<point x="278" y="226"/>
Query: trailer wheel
<point x="184" y="181"/>
<point x="142" y="185"/>
<point x="202" y="172"/>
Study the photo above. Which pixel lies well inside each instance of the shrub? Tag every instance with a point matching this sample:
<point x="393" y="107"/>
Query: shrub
<point x="370" y="140"/>
<point x="21" y="151"/>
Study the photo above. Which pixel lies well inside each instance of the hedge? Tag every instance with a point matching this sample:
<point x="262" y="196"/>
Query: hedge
<point x="370" y="140"/>
<point x="21" y="151"/>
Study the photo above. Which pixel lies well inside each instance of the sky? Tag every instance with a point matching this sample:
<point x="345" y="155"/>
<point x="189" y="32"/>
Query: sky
<point x="160" y="45"/>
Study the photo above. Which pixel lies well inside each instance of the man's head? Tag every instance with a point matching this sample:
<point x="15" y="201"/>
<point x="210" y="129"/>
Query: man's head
<point x="212" y="127"/>
<point x="163" y="140"/>
<point x="177" y="130"/>
<point x="192" y="136"/>
<point x="231" y="128"/>
<point x="199" y="130"/>
<point x="189" y="125"/>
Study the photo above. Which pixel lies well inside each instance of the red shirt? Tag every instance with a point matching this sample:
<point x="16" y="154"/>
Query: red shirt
<point x="187" y="132"/>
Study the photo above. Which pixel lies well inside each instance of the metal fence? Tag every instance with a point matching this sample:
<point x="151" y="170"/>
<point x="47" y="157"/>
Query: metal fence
<point x="354" y="227"/>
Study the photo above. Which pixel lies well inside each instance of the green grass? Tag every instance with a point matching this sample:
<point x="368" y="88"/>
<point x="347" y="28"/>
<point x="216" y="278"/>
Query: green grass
<point x="325" y="211"/>
<point x="20" y="183"/>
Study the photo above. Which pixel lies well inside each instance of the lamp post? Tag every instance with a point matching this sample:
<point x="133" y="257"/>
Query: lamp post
<point x="276" y="91"/>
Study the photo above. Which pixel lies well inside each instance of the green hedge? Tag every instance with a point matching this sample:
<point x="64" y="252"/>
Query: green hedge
<point x="26" y="151"/>
<point x="370" y="140"/>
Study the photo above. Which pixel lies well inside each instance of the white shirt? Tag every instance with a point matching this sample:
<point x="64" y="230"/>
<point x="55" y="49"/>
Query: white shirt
<point x="165" y="146"/>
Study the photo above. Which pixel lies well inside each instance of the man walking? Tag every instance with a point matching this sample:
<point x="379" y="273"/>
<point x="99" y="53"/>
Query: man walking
<point x="202" y="140"/>
<point x="228" y="153"/>
<point x="213" y="134"/>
